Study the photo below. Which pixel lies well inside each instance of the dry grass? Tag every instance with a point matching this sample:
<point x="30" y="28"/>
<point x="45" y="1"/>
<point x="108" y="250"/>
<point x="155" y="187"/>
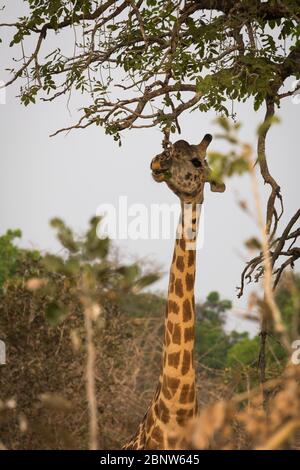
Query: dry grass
<point x="43" y="386"/>
<point x="46" y="373"/>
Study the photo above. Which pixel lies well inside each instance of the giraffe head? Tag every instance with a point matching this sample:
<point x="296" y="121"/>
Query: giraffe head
<point x="184" y="168"/>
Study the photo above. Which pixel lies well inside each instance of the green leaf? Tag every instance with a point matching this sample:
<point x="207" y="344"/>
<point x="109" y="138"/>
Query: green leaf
<point x="253" y="244"/>
<point x="146" y="281"/>
<point x="129" y="273"/>
<point x="213" y="297"/>
<point x="53" y="263"/>
<point x="65" y="235"/>
<point x="55" y="313"/>
<point x="96" y="247"/>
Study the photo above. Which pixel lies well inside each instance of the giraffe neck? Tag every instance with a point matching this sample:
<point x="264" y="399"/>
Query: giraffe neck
<point x="174" y="403"/>
<point x="178" y="374"/>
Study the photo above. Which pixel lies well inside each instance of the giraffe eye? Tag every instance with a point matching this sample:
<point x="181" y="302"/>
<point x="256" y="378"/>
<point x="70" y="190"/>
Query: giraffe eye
<point x="196" y="163"/>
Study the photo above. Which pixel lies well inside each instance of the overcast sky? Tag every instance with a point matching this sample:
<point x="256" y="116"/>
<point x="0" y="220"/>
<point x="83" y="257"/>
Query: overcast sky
<point x="70" y="176"/>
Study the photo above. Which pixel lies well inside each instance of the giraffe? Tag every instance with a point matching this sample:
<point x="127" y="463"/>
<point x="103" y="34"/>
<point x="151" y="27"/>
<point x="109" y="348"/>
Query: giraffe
<point x="184" y="169"/>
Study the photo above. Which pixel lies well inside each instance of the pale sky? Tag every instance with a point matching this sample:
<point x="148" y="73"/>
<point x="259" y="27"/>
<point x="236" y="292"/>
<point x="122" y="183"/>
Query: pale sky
<point x="70" y="176"/>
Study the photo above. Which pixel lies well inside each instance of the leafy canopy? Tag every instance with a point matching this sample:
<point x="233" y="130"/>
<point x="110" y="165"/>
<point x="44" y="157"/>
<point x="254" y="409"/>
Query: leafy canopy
<point x="143" y="63"/>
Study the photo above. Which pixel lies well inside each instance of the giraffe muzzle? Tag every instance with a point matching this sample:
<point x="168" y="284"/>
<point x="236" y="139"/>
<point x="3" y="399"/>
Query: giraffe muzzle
<point x="160" y="167"/>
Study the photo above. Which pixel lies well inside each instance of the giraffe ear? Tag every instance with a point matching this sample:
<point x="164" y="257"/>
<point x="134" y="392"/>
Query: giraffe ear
<point x="204" y="143"/>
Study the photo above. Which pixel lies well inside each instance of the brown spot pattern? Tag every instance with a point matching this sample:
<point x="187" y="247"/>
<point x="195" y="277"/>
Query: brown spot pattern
<point x="170" y="386"/>
<point x="180" y="264"/>
<point x="189" y="280"/>
<point x="183" y="415"/>
<point x="176" y="334"/>
<point x="157" y="434"/>
<point x="162" y="412"/>
<point x="172" y="442"/>
<point x="184" y="393"/>
<point x="187" y="310"/>
<point x="188" y="334"/>
<point x="178" y="288"/>
<point x="153" y="445"/>
<point x="173" y="307"/>
<point x="171" y="284"/>
<point x="182" y="243"/>
<point x="173" y="359"/>
<point x="191" y="258"/>
<point x="186" y="362"/>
